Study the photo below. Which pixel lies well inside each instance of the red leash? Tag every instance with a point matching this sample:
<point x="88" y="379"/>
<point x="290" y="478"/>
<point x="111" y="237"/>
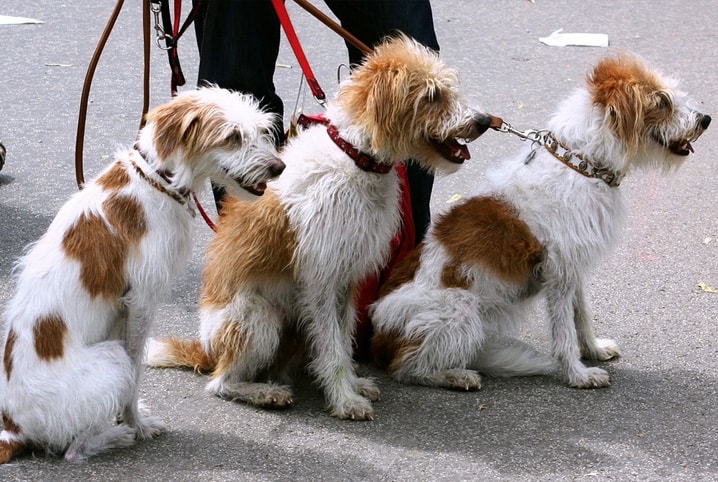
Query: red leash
<point x="283" y="16"/>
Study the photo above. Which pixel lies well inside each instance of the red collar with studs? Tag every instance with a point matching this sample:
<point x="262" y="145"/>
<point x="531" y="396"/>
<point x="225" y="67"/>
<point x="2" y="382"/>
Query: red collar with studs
<point x="364" y="161"/>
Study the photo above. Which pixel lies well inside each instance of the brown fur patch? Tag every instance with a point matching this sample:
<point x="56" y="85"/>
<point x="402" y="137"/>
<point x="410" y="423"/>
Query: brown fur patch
<point x="227" y="343"/>
<point x="7" y="354"/>
<point x="187" y="353"/>
<point x="389" y="350"/>
<point x="9" y="424"/>
<point x="49" y="335"/>
<point x="193" y="125"/>
<point x="487" y="232"/>
<point x="404" y="348"/>
<point x="633" y="96"/>
<point x="402" y="273"/>
<point x="254" y="242"/>
<point x="127" y="217"/>
<point x="102" y="251"/>
<point x="114" y="179"/>
<point x="10" y="450"/>
<point x="452" y="277"/>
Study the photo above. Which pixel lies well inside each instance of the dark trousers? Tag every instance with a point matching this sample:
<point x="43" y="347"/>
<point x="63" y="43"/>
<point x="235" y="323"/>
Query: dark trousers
<point x="239" y="42"/>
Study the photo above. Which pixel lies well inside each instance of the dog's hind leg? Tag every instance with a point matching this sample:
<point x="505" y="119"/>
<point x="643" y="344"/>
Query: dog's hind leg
<point x="244" y="339"/>
<point x="592" y="348"/>
<point x="431" y="335"/>
<point x="564" y="340"/>
<point x="437" y="351"/>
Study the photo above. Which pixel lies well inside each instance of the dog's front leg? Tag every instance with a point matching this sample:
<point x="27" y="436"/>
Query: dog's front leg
<point x="592" y="348"/>
<point x="329" y="324"/>
<point x="139" y="319"/>
<point x="561" y="297"/>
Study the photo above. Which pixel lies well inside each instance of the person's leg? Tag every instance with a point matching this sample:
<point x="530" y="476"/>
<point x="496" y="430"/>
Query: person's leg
<point x="238" y="45"/>
<point x="370" y="21"/>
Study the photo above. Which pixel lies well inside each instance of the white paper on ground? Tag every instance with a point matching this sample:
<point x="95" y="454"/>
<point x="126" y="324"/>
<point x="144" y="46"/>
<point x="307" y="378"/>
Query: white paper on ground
<point x="7" y="20"/>
<point x="558" y="39"/>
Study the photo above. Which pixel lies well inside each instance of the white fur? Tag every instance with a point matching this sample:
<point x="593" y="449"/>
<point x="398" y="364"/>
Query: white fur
<point x="576" y="219"/>
<point x="72" y="403"/>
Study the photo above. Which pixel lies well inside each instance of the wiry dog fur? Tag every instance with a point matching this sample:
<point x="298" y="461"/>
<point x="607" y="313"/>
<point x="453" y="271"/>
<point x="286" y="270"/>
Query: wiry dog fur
<point x="535" y="226"/>
<point x="86" y="292"/>
<point x="291" y="262"/>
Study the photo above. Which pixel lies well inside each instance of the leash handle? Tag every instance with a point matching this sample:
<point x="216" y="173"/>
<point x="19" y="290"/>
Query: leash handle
<point x="283" y="16"/>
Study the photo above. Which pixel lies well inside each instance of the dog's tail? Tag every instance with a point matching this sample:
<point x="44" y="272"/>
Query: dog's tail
<point x="177" y="352"/>
<point x="504" y="357"/>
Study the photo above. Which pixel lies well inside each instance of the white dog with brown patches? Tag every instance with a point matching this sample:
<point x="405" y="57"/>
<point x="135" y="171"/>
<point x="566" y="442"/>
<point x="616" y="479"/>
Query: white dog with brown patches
<point x="287" y="267"/>
<point x="76" y="328"/>
<point x="539" y="224"/>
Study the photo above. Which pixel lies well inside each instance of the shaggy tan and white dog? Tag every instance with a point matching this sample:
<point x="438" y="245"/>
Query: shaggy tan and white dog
<point x="87" y="290"/>
<point x="285" y="270"/>
<point x="538" y="225"/>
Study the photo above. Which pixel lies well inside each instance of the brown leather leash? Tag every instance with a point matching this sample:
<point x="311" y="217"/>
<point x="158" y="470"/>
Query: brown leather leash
<point x="148" y="6"/>
<point x="82" y="118"/>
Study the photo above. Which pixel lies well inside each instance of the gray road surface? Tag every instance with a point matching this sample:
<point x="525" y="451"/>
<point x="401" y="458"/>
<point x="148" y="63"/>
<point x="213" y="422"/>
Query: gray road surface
<point x="657" y="421"/>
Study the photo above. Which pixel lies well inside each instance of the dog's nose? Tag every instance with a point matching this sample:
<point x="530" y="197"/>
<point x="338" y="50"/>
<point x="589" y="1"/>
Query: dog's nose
<point x="705" y="121"/>
<point x="482" y="121"/>
<point x="276" y="167"/>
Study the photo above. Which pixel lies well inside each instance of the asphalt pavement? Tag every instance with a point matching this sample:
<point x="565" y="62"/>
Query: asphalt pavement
<point x="657" y="421"/>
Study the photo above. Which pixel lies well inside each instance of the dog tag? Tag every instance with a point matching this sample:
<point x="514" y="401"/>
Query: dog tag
<point x="530" y="157"/>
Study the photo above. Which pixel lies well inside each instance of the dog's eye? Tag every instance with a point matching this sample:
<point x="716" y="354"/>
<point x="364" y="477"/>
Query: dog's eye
<point x="434" y="95"/>
<point x="234" y="139"/>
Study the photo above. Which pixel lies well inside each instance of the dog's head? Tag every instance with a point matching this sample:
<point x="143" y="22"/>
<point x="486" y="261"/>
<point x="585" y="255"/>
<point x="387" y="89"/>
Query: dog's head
<point x="217" y="134"/>
<point x="405" y="103"/>
<point x="646" y="114"/>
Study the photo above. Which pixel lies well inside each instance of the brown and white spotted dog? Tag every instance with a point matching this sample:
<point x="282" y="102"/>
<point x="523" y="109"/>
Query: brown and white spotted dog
<point x="75" y="329"/>
<point x="537" y="225"/>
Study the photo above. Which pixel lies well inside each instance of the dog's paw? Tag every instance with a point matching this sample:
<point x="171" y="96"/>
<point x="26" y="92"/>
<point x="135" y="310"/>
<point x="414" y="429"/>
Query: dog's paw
<point x="590" y="378"/>
<point x="460" y="379"/>
<point x="273" y="396"/>
<point x="367" y="388"/>
<point x="149" y="426"/>
<point x="606" y="349"/>
<point x="354" y="409"/>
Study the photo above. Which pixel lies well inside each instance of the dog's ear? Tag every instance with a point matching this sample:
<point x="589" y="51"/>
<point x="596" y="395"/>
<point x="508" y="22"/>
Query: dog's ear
<point x="631" y="97"/>
<point x="625" y="107"/>
<point x="187" y="123"/>
<point x="374" y="96"/>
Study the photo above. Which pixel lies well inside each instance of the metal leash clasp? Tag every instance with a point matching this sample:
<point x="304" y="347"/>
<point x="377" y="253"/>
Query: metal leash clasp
<point x="156" y="8"/>
<point x="532" y="135"/>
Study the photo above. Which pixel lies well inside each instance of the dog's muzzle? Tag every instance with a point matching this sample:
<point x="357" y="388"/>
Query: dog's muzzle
<point x="482" y="122"/>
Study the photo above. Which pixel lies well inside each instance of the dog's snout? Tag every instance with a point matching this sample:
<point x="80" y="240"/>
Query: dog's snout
<point x="276" y="167"/>
<point x="705" y="121"/>
<point x="482" y="121"/>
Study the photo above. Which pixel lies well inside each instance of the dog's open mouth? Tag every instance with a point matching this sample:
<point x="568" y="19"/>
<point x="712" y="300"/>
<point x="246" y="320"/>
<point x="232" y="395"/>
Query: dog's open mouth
<point x="680" y="148"/>
<point x="453" y="150"/>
